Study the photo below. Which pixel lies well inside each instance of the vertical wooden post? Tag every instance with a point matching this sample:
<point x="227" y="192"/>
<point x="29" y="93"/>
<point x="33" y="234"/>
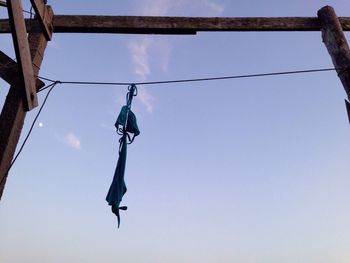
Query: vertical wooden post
<point x="13" y="112"/>
<point x="338" y="48"/>
<point x="20" y="43"/>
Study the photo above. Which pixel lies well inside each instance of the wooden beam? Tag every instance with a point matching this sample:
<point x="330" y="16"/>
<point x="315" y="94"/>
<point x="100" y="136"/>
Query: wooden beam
<point x="13" y="113"/>
<point x="337" y="46"/>
<point x="9" y="71"/>
<point x="41" y="12"/>
<point x="20" y="42"/>
<point x="174" y="25"/>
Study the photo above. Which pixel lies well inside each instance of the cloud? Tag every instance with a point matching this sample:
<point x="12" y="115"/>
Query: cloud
<point x="139" y="55"/>
<point x="147" y="52"/>
<point x="181" y="7"/>
<point x="140" y="52"/>
<point x="146" y="99"/>
<point x="214" y="7"/>
<point x="159" y="48"/>
<point x="72" y="141"/>
<point x="140" y="49"/>
<point x="156" y="7"/>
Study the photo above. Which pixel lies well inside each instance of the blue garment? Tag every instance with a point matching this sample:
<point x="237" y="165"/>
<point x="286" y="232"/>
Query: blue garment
<point x="118" y="187"/>
<point x="126" y="126"/>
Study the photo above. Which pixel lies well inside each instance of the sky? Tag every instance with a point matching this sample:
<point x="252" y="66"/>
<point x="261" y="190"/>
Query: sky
<point x="244" y="170"/>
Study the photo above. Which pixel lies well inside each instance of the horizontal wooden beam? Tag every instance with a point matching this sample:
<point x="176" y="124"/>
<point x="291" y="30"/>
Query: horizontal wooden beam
<point x="174" y="25"/>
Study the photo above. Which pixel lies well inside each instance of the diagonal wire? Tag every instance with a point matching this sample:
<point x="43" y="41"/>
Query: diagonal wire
<point x="50" y="86"/>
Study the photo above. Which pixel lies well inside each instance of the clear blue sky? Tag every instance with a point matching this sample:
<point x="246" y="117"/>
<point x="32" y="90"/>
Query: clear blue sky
<point x="251" y="170"/>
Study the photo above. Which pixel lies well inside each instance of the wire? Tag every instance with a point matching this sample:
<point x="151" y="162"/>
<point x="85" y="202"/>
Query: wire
<point x="4" y="4"/>
<point x="28" y="12"/>
<point x="31" y="12"/>
<point x="190" y="80"/>
<point x="51" y="86"/>
<point x="55" y="82"/>
<point x="48" y="86"/>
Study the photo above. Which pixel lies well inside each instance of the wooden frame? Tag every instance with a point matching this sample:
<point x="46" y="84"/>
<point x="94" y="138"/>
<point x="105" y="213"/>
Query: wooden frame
<point x="12" y="115"/>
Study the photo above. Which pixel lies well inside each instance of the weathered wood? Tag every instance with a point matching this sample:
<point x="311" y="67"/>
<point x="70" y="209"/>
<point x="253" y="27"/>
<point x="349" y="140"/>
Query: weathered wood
<point x="20" y="42"/>
<point x="41" y="14"/>
<point x="32" y="26"/>
<point x="173" y="25"/>
<point x="169" y="25"/>
<point x="9" y="71"/>
<point x="13" y="113"/>
<point x="337" y="46"/>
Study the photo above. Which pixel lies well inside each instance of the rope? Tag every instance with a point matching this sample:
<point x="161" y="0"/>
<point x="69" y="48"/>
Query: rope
<point x="55" y="82"/>
<point x="51" y="86"/>
<point x="189" y="80"/>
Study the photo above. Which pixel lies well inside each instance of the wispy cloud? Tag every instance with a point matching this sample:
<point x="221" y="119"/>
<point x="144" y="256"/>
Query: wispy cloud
<point x="142" y="50"/>
<point x="157" y="7"/>
<point x="72" y="141"/>
<point x="149" y="52"/>
<point x="139" y="54"/>
<point x="146" y="99"/>
<point x="139" y="51"/>
<point x="214" y="7"/>
<point x="181" y="7"/>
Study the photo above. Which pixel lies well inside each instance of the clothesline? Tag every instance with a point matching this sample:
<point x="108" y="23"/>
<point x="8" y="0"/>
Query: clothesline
<point x="53" y="83"/>
<point x="185" y="80"/>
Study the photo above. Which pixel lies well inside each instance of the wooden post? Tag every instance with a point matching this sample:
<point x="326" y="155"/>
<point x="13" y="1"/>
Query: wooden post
<point x="20" y="43"/>
<point x="338" y="48"/>
<point x="13" y="113"/>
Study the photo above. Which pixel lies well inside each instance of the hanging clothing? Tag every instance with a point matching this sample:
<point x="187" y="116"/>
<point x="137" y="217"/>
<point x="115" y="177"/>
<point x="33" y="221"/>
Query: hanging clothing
<point x="126" y="126"/>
